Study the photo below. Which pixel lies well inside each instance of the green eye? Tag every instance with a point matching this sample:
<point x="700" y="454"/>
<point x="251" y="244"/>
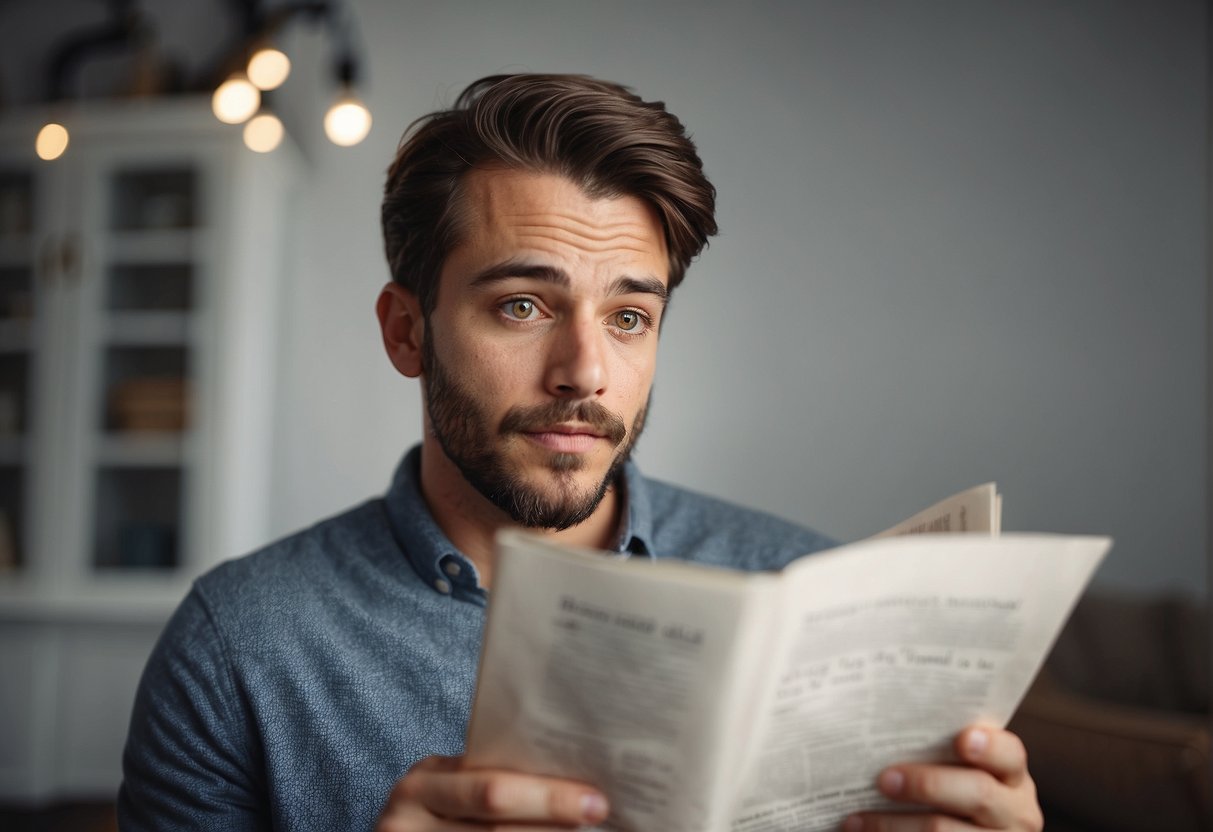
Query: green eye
<point x="627" y="320"/>
<point x="520" y="309"/>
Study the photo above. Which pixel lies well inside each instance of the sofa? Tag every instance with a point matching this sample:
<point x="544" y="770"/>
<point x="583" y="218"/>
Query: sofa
<point x="1117" y="724"/>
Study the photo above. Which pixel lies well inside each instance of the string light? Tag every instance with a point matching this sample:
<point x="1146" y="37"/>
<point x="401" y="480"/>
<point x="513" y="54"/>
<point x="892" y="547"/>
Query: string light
<point x="239" y="99"/>
<point x="235" y="100"/>
<point x="51" y="142"/>
<point x="263" y="133"/>
<point x="269" y="68"/>
<point x="347" y="122"/>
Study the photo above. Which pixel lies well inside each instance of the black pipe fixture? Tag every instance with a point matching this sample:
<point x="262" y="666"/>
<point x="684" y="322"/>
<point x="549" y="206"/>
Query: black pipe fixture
<point x="254" y="67"/>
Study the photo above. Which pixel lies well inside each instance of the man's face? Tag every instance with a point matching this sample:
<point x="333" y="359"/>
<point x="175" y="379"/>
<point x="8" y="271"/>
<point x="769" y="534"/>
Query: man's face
<point x="540" y="352"/>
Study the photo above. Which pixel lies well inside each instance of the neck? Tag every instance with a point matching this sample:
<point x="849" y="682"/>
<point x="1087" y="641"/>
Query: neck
<point x="471" y="521"/>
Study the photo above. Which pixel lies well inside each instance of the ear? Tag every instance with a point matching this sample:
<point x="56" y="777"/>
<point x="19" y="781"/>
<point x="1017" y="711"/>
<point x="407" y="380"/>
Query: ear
<point x="403" y="328"/>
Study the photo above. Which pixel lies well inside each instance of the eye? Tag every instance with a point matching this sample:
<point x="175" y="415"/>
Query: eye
<point x="629" y="320"/>
<point x="519" y="309"/>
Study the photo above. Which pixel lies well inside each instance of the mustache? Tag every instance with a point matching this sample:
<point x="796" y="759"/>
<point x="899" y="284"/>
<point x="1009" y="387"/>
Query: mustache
<point x="537" y="417"/>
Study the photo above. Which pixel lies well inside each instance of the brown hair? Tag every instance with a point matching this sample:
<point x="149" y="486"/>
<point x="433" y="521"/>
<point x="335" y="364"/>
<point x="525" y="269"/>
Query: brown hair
<point x="598" y="134"/>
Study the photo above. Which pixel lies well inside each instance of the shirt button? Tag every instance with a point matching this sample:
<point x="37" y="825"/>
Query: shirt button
<point x="442" y="586"/>
<point x="452" y="568"/>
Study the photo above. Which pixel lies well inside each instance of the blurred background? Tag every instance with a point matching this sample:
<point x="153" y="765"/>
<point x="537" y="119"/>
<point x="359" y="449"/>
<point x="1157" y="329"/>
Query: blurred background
<point x="961" y="242"/>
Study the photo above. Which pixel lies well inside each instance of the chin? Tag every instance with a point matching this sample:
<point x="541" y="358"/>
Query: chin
<point x="563" y="471"/>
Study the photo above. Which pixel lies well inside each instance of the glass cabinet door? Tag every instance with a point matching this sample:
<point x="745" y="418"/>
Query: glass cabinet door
<point x="142" y="415"/>
<point x="138" y="286"/>
<point x="18" y="310"/>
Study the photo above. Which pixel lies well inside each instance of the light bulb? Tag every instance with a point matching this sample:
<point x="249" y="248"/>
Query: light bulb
<point x="263" y="133"/>
<point x="347" y="122"/>
<point x="51" y="142"/>
<point x="268" y="68"/>
<point x="235" y="99"/>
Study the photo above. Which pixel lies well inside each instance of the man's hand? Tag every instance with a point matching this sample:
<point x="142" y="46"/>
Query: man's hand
<point x="440" y="793"/>
<point x="991" y="790"/>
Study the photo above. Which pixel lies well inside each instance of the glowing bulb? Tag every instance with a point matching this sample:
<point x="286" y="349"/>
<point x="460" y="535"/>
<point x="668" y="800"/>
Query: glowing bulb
<point x="268" y="68"/>
<point x="347" y="122"/>
<point x="263" y="133"/>
<point x="235" y="99"/>
<point x="51" y="142"/>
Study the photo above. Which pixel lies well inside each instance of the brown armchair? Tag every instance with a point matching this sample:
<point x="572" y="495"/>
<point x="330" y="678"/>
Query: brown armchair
<point x="1117" y="725"/>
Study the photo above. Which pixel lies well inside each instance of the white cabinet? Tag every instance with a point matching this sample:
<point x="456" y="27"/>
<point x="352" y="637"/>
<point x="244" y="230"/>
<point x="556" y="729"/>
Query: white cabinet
<point x="139" y="282"/>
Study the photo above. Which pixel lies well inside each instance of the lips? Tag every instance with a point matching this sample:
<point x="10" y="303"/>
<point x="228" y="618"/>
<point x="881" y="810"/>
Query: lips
<point x="563" y="439"/>
<point x="571" y="430"/>
<point x="570" y="427"/>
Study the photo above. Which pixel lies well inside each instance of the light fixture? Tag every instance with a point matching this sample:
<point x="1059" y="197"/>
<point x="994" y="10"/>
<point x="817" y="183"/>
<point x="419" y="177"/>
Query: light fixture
<point x="348" y="121"/>
<point x="235" y="100"/>
<point x="263" y="132"/>
<point x="126" y="28"/>
<point x="268" y="68"/>
<point x="51" y="142"/>
<point x="260" y="66"/>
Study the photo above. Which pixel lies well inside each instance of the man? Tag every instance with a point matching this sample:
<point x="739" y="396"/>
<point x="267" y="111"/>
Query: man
<point x="534" y="235"/>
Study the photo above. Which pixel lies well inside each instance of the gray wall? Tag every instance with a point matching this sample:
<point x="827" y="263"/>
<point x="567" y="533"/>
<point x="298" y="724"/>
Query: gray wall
<point x="961" y="241"/>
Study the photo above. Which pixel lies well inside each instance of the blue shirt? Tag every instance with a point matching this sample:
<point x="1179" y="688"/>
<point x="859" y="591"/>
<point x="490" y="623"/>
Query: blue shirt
<point x="293" y="687"/>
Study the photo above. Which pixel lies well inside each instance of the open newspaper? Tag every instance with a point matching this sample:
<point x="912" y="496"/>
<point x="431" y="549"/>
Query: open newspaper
<point x="700" y="698"/>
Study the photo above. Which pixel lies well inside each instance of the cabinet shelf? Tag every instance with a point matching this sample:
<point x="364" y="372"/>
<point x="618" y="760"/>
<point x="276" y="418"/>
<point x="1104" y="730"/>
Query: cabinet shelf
<point x="144" y="329"/>
<point x="144" y="450"/>
<point x="13" y="450"/>
<point x="167" y="245"/>
<point x="16" y="252"/>
<point x="126" y="599"/>
<point x="15" y="335"/>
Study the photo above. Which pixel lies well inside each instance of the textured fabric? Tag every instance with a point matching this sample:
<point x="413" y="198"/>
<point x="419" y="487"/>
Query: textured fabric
<point x="293" y="687"/>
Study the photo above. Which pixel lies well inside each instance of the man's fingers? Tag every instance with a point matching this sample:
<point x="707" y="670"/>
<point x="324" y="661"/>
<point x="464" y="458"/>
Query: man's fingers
<point x="411" y="817"/>
<point x="414" y="818"/>
<point x="965" y="792"/>
<point x="502" y="796"/>
<point x="904" y="822"/>
<point x="990" y="789"/>
<point x="994" y="750"/>
<point x="957" y="790"/>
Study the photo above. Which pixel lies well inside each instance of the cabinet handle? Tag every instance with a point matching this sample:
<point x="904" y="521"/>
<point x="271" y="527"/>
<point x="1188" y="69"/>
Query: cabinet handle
<point x="69" y="257"/>
<point x="48" y="260"/>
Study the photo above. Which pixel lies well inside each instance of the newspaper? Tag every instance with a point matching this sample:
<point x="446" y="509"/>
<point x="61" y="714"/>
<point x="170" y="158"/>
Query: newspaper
<point x="700" y="698"/>
<point x="977" y="510"/>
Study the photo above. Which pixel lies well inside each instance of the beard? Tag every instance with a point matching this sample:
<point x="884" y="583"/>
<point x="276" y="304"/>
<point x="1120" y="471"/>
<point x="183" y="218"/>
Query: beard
<point x="464" y="430"/>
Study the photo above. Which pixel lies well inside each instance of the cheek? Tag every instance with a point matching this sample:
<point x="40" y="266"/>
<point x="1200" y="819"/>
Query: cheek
<point x="632" y="378"/>
<point x="489" y="371"/>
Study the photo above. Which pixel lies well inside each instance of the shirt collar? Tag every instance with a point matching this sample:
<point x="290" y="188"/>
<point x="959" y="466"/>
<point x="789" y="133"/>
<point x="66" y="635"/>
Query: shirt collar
<point x="446" y="570"/>
<point x="637" y="532"/>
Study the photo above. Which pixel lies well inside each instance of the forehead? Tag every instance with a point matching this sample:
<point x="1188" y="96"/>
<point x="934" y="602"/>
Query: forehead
<point x="507" y="212"/>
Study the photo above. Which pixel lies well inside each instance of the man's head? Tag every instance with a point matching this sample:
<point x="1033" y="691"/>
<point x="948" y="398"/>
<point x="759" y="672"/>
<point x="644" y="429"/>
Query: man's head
<point x="597" y="134"/>
<point x="534" y="233"/>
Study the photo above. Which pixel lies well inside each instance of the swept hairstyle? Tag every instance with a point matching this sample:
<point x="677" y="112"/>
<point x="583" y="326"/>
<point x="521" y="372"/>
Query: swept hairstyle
<point x="598" y="134"/>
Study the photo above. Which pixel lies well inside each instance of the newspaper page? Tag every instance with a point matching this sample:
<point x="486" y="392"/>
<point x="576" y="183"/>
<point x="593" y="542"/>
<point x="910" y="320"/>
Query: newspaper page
<point x="974" y="511"/>
<point x="890" y="648"/>
<point x="625" y="674"/>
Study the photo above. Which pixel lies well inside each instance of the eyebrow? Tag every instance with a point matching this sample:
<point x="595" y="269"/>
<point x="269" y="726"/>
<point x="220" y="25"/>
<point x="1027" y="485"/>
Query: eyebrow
<point x="625" y="285"/>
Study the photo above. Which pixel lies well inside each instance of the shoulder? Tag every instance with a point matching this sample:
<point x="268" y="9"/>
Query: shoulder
<point x="323" y="542"/>
<point x="693" y="526"/>
<point x="345" y="559"/>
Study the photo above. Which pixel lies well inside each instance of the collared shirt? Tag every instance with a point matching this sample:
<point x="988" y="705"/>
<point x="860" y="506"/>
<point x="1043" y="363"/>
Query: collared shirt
<point x="293" y="687"/>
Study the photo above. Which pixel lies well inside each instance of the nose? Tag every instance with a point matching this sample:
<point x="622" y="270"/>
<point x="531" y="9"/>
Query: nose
<point x="576" y="361"/>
